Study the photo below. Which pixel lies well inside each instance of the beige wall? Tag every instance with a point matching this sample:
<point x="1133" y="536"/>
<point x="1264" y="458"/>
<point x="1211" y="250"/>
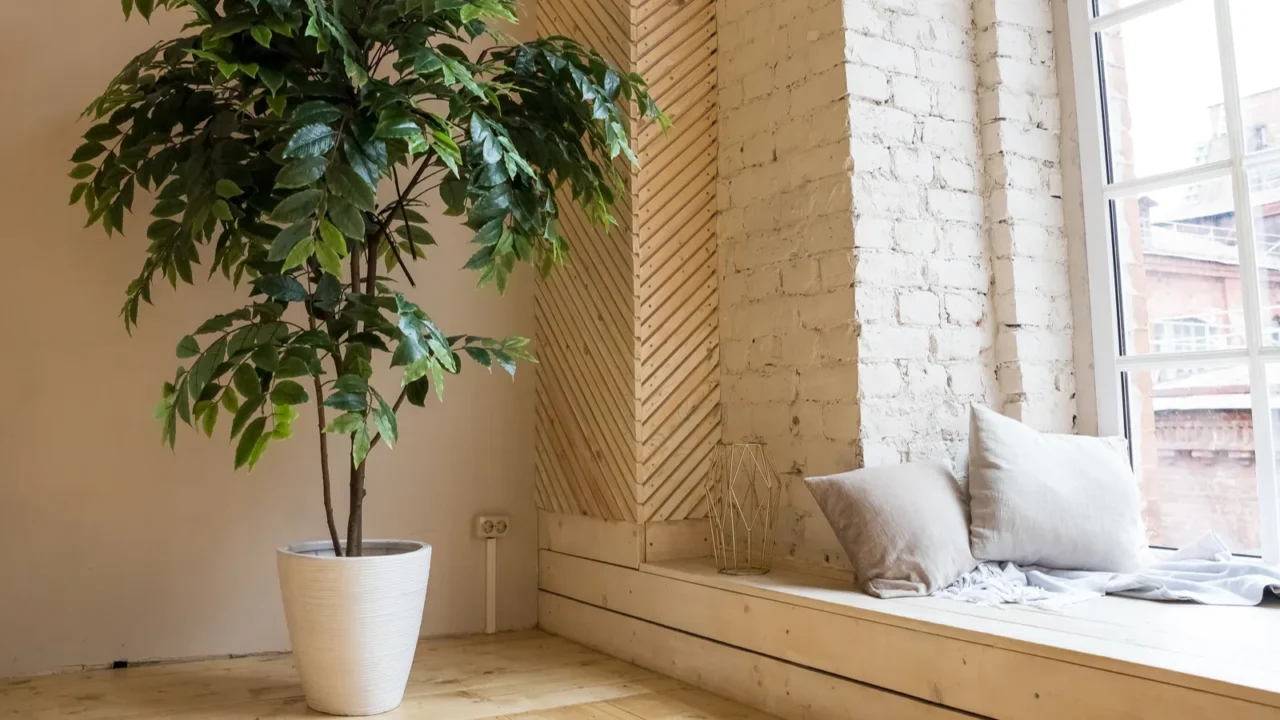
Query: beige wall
<point x="112" y="547"/>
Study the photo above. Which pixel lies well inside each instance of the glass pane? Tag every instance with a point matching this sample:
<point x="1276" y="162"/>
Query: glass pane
<point x="1192" y="435"/>
<point x="1264" y="199"/>
<point x="1163" y="84"/>
<point x="1254" y="24"/>
<point x="1180" y="269"/>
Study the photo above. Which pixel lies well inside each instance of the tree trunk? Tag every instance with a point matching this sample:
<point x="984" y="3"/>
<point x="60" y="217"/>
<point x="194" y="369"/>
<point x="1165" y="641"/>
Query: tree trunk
<point x="355" y="544"/>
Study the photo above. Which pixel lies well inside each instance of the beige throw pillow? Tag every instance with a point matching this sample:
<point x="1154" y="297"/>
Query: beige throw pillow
<point x="1069" y="502"/>
<point x="904" y="527"/>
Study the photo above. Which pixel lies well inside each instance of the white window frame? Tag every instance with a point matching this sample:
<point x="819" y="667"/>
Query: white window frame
<point x="1109" y="364"/>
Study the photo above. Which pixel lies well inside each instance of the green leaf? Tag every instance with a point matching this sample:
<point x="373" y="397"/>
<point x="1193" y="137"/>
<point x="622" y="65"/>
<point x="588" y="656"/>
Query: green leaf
<point x="274" y="80"/>
<point x="284" y="415"/>
<point x="246" y="381"/>
<point x="266" y="358"/>
<point x="297" y="206"/>
<point x="209" y="420"/>
<point x="299" y="254"/>
<point x="481" y="356"/>
<point x="490" y="233"/>
<point x="288" y="392"/>
<point x="259" y="448"/>
<point x="284" y="288"/>
<point x="346" y="218"/>
<point x="127" y="6"/>
<point x="416" y="392"/>
<point x="247" y="446"/>
<point x="437" y="379"/>
<point x="349" y="184"/>
<point x="397" y="124"/>
<point x="163" y="229"/>
<point x="311" y="141"/>
<point x="262" y="34"/>
<point x="329" y="260"/>
<point x="247" y="410"/>
<point x="88" y="151"/>
<point x="222" y="210"/>
<point x="385" y="420"/>
<point x="332" y="238"/>
<point x="228" y="189"/>
<point x="188" y="347"/>
<point x="483" y="258"/>
<point x="217" y="323"/>
<point x="292" y="367"/>
<point x="301" y="172"/>
<point x="315" y="112"/>
<point x="168" y="208"/>
<point x="80" y="172"/>
<point x="345" y="424"/>
<point x="355" y="71"/>
<point x="352" y="384"/>
<point x="102" y="132"/>
<point x="360" y="445"/>
<point x="351" y="402"/>
<point x="287" y="239"/>
<point x="230" y="401"/>
<point x="454" y="193"/>
<point x="367" y="156"/>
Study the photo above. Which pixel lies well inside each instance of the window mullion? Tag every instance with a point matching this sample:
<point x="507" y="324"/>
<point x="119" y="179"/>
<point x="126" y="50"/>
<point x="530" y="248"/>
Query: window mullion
<point x="1136" y="10"/>
<point x="1198" y="174"/>
<point x="1207" y="358"/>
<point x="1263" y="444"/>
<point x="1103" y="295"/>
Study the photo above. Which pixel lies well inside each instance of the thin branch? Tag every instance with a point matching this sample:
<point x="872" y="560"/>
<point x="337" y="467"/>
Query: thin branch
<point x="404" y="215"/>
<point x="324" y="451"/>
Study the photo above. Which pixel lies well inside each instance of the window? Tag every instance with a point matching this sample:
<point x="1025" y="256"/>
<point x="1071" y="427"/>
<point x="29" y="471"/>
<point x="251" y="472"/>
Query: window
<point x="1178" y="100"/>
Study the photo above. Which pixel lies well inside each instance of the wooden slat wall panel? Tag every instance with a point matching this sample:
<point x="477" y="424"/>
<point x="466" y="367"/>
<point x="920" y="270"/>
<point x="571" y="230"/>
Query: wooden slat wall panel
<point x="677" y="329"/>
<point x="586" y="447"/>
<point x="628" y="393"/>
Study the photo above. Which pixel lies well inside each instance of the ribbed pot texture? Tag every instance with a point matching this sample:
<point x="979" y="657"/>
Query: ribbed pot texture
<point x="354" y="622"/>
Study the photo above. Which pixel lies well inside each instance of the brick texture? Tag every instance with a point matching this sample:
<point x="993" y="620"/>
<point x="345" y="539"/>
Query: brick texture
<point x="892" y="244"/>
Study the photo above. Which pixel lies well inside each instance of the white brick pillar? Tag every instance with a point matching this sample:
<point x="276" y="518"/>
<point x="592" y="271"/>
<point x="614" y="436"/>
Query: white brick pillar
<point x="1019" y="113"/>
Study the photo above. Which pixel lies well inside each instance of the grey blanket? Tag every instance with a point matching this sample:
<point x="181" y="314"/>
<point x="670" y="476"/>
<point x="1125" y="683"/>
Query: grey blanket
<point x="1203" y="572"/>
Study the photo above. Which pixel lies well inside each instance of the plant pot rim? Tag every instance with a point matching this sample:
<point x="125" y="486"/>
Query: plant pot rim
<point x="303" y="550"/>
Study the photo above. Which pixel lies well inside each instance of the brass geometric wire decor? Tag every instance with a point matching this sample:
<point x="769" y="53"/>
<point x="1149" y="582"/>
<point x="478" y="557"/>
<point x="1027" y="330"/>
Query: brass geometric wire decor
<point x="743" y="492"/>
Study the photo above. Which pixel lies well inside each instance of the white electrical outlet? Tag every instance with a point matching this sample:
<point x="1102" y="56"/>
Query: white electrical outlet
<point x="492" y="526"/>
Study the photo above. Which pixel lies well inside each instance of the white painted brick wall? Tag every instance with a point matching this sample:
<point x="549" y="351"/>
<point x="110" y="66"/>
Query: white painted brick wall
<point x="788" y="341"/>
<point x="891" y="237"/>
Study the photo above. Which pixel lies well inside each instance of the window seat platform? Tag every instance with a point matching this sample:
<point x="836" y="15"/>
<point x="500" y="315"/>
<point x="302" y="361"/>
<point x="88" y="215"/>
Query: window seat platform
<point x="1109" y="657"/>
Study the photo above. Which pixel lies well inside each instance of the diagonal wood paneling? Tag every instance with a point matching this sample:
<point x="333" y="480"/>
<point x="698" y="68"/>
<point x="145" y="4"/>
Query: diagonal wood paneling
<point x="628" y="396"/>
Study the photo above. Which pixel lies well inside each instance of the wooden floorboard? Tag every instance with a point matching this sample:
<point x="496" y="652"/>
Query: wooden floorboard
<point x="528" y="675"/>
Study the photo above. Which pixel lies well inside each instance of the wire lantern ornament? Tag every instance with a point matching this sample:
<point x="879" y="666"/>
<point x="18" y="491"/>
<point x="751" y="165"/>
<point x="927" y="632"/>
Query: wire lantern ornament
<point x="743" y="494"/>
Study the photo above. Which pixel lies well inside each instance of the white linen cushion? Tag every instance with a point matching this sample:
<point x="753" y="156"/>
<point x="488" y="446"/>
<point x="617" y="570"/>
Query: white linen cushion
<point x="904" y="527"/>
<point x="1068" y="502"/>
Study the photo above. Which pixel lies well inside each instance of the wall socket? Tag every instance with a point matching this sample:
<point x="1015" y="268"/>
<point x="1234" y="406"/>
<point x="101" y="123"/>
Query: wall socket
<point x="492" y="526"/>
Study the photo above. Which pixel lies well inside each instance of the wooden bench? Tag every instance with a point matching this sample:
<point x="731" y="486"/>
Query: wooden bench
<point x="802" y="646"/>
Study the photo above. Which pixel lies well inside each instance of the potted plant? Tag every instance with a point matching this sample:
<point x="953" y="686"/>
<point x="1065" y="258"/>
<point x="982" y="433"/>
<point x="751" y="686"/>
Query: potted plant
<point x="267" y="134"/>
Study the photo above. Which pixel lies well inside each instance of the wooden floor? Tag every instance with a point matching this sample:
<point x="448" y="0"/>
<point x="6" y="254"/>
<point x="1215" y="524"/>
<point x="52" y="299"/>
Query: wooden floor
<point x="528" y="675"/>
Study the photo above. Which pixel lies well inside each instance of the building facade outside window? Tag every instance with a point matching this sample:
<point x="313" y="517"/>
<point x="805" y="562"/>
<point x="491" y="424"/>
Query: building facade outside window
<point x="1179" y="106"/>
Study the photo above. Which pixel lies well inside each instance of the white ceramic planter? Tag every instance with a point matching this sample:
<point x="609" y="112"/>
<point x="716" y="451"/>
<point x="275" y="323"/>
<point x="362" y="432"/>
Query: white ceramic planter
<point x="354" y="622"/>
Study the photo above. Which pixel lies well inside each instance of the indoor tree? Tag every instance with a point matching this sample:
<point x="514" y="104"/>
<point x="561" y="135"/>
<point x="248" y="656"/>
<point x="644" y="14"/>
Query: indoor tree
<point x="265" y="133"/>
